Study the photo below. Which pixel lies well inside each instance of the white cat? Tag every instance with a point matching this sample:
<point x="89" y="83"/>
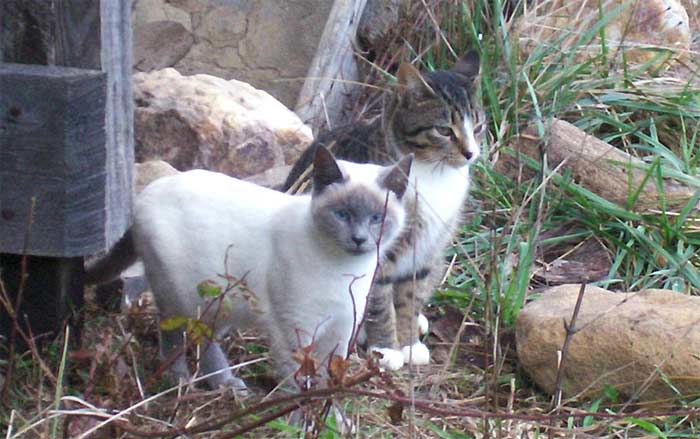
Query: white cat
<point x="298" y="267"/>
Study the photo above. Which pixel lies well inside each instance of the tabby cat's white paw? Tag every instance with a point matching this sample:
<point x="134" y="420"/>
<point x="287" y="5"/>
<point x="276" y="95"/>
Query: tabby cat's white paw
<point x="343" y="422"/>
<point x="418" y="354"/>
<point x="392" y="359"/>
<point x="423" y="324"/>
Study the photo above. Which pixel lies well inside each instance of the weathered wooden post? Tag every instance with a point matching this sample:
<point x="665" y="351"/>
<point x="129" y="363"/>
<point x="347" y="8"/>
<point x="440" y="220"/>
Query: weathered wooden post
<point x="332" y="76"/>
<point x="66" y="149"/>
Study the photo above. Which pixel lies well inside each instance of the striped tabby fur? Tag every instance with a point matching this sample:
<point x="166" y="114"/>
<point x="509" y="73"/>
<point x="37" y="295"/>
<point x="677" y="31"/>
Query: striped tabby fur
<point x="435" y="116"/>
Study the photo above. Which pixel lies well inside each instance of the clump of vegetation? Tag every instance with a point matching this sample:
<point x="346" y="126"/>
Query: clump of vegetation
<point x="474" y="389"/>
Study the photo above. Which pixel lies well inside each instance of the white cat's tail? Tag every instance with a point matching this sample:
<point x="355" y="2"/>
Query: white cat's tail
<point x="118" y="258"/>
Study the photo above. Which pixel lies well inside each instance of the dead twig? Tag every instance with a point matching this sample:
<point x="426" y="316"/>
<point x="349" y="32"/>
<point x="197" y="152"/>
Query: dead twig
<point x="571" y="329"/>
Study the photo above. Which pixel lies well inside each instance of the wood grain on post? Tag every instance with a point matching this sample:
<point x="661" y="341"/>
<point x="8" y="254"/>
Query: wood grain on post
<point x="52" y="136"/>
<point x="333" y="73"/>
<point x="595" y="165"/>
<point x="66" y="141"/>
<point x="66" y="132"/>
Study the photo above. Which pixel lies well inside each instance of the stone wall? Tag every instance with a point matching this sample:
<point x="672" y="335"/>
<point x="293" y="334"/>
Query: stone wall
<point x="267" y="43"/>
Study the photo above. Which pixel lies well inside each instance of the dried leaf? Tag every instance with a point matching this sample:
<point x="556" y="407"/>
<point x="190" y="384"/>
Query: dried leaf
<point x="307" y="367"/>
<point x="395" y="412"/>
<point x="337" y="369"/>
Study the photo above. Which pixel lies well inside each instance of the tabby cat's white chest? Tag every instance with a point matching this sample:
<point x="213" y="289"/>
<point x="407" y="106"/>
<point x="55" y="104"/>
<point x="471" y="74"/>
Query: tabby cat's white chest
<point x="435" y="202"/>
<point x="441" y="191"/>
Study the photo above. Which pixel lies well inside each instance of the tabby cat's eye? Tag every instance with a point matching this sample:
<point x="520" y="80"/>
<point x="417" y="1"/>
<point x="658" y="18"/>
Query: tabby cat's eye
<point x="444" y="131"/>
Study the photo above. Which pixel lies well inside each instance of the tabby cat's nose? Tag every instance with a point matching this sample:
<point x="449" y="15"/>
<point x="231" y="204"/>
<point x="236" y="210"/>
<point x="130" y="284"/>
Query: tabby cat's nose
<point x="467" y="154"/>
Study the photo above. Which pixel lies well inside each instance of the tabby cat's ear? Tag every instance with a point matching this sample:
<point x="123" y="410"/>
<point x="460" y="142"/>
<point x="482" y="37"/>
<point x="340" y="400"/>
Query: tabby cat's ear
<point x="396" y="180"/>
<point x="410" y="80"/>
<point x="468" y="66"/>
<point x="326" y="170"/>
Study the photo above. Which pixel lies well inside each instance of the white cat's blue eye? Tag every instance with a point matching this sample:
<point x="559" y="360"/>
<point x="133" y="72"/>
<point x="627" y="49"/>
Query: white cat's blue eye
<point x="342" y="215"/>
<point x="376" y="218"/>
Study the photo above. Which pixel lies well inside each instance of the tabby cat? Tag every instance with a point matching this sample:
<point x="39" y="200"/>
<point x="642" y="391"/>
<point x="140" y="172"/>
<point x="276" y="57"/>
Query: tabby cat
<point x="436" y="117"/>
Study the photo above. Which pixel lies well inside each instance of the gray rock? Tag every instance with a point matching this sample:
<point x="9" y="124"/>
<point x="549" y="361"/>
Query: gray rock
<point x="267" y="43"/>
<point x="150" y="52"/>
<point x="147" y="11"/>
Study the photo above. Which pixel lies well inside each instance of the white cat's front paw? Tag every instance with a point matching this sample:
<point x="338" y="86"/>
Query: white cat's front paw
<point x="392" y="359"/>
<point x="423" y="324"/>
<point x="417" y="355"/>
<point x="361" y="338"/>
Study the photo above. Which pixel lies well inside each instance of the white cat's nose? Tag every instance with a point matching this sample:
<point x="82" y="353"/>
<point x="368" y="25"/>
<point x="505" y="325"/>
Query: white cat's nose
<point x="359" y="240"/>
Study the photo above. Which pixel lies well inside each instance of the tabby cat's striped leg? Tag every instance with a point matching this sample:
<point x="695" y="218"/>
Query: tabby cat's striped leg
<point x="380" y="325"/>
<point x="409" y="298"/>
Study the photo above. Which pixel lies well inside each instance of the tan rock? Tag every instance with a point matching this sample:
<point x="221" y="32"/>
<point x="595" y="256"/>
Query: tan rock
<point x="639" y="29"/>
<point x="149" y="171"/>
<point x="273" y="178"/>
<point x="202" y="121"/>
<point x="624" y="338"/>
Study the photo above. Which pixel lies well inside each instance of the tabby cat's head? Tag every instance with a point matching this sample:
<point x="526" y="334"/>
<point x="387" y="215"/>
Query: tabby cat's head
<point x="358" y="206"/>
<point x="435" y="116"/>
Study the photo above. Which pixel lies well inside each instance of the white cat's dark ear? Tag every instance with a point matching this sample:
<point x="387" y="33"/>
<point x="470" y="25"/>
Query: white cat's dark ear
<point x="326" y="170"/>
<point x="411" y="81"/>
<point x="468" y="66"/>
<point x="396" y="180"/>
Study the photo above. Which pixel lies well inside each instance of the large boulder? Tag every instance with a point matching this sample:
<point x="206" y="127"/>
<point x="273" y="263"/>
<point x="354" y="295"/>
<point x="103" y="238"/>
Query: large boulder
<point x="626" y="340"/>
<point x="268" y="43"/>
<point x="206" y="122"/>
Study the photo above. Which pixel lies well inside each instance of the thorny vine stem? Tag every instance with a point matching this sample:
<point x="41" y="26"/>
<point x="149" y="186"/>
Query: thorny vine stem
<point x="13" y="311"/>
<point x="356" y="327"/>
<point x="571" y="329"/>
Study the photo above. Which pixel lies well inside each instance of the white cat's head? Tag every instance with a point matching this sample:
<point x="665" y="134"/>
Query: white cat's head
<point x="358" y="206"/>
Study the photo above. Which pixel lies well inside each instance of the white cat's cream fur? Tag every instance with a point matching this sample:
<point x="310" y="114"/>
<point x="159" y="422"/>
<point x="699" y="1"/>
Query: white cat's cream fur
<point x="201" y="225"/>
